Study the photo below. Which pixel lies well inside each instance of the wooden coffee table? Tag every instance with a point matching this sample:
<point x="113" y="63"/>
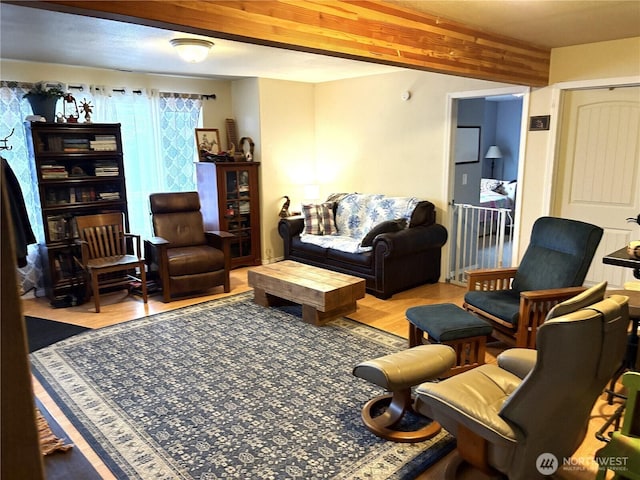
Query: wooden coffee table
<point x="323" y="294"/>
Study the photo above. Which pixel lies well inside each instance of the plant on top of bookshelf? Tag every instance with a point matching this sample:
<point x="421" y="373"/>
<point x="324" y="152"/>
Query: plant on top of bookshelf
<point x="39" y="89"/>
<point x="43" y="99"/>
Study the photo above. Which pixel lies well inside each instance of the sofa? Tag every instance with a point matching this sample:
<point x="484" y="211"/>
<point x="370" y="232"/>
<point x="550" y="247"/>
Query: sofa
<point x="393" y="243"/>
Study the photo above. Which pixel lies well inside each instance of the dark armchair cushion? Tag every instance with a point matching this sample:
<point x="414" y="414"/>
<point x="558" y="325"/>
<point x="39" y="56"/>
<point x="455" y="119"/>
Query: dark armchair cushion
<point x="389" y="226"/>
<point x="174" y="202"/>
<point x="180" y="229"/>
<point x="194" y="260"/>
<point x="504" y="304"/>
<point x="558" y="256"/>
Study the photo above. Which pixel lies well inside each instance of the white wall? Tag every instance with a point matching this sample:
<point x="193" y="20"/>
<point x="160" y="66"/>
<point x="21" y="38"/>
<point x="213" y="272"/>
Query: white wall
<point x="616" y="58"/>
<point x="288" y="153"/>
<point x="596" y="64"/>
<point x="370" y="140"/>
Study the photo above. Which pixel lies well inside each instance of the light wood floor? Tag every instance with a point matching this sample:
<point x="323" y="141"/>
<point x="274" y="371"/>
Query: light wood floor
<point x="386" y="315"/>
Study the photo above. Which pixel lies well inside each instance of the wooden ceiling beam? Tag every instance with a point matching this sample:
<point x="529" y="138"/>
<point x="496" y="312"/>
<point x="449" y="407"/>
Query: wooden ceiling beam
<point x="367" y="30"/>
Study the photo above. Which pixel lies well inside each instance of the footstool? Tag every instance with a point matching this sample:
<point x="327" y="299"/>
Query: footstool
<point x="397" y="373"/>
<point x="449" y="324"/>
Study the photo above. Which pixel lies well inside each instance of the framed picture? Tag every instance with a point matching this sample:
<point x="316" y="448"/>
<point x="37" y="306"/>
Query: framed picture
<point x="467" y="148"/>
<point x="540" y="122"/>
<point x="207" y="142"/>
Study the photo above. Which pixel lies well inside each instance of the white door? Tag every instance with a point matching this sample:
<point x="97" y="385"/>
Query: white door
<point x="598" y="174"/>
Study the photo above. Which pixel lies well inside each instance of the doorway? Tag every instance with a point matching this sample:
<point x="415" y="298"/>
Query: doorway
<point x="483" y="185"/>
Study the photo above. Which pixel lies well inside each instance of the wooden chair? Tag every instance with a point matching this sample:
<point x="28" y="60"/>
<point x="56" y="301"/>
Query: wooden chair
<point x="516" y="301"/>
<point x="103" y="242"/>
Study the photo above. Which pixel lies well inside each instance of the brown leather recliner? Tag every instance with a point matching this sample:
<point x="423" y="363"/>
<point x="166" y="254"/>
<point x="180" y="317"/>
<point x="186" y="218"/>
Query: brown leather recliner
<point x="184" y="257"/>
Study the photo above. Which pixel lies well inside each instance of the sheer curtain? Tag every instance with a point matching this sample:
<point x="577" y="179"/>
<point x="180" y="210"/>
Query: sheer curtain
<point x="158" y="144"/>
<point x="13" y="110"/>
<point x="158" y="147"/>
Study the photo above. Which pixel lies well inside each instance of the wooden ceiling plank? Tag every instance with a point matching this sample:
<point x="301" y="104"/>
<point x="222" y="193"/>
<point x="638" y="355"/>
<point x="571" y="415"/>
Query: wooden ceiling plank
<point x="360" y="29"/>
<point x="471" y="51"/>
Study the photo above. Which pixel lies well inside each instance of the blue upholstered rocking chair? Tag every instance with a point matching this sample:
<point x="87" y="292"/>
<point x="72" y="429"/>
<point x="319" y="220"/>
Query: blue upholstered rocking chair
<point x="516" y="300"/>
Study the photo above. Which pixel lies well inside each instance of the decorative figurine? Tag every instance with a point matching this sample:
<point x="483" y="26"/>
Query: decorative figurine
<point x="87" y="109"/>
<point x="284" y="211"/>
<point x="73" y="118"/>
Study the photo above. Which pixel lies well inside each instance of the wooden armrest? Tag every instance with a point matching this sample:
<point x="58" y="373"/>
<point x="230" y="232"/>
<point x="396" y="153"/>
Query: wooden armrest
<point x="559" y="294"/>
<point x="84" y="252"/>
<point x="219" y="239"/>
<point x="489" y="279"/>
<point x="222" y="241"/>
<point x="221" y="234"/>
<point x="534" y="308"/>
<point x="156" y="241"/>
<point x="135" y="237"/>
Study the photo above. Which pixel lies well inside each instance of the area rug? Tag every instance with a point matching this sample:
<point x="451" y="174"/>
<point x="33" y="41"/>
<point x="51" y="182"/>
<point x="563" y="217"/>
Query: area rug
<point x="42" y="333"/>
<point x="229" y="389"/>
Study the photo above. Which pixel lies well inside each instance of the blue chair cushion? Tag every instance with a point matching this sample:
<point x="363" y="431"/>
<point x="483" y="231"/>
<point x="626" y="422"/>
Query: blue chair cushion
<point x="558" y="256"/>
<point x="504" y="304"/>
<point x="446" y="321"/>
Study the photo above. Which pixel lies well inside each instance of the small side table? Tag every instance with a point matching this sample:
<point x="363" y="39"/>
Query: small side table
<point x="621" y="258"/>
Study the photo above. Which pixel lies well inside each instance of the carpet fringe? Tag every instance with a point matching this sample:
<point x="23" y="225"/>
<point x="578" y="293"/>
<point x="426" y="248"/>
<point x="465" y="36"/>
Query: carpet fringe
<point x="49" y="443"/>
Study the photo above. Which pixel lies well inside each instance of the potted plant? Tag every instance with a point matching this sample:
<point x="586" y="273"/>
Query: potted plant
<point x="43" y="100"/>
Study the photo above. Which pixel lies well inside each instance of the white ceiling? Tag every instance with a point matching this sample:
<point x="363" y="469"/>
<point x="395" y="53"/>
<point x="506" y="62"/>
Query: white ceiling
<point x="42" y="36"/>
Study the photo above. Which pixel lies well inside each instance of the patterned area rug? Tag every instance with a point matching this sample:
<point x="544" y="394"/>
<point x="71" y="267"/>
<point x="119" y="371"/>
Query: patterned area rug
<point x="229" y="389"/>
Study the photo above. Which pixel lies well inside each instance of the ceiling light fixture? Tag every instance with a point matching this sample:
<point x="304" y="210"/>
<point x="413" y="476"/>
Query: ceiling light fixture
<point x="192" y="50"/>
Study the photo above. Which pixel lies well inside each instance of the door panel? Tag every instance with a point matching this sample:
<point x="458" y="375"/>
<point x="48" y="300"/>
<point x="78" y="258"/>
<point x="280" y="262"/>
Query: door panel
<point x="598" y="174"/>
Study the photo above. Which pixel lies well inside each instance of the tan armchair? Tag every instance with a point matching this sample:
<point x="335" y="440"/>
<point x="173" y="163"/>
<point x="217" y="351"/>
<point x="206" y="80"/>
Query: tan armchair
<point x="532" y="402"/>
<point x="516" y="301"/>
<point x="184" y="258"/>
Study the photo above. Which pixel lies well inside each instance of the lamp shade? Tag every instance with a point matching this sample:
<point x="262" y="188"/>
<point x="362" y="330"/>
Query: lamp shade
<point x="493" y="152"/>
<point x="192" y="50"/>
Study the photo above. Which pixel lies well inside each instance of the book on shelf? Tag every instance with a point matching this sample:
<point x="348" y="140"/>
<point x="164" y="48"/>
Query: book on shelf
<point x="109" y="196"/>
<point x="54" y="144"/>
<point x="103" y="145"/>
<point x="75" y="141"/>
<point x="53" y="171"/>
<point x="58" y="228"/>
<point x="75" y="145"/>
<point x="107" y="169"/>
<point x="107" y="172"/>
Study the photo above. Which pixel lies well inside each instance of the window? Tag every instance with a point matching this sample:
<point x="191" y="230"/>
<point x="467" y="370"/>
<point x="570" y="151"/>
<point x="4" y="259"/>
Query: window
<point x="158" y="143"/>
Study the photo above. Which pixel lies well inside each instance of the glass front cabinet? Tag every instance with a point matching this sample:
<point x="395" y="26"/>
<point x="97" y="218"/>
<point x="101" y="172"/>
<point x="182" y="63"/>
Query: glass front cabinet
<point x="79" y="170"/>
<point x="229" y="197"/>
